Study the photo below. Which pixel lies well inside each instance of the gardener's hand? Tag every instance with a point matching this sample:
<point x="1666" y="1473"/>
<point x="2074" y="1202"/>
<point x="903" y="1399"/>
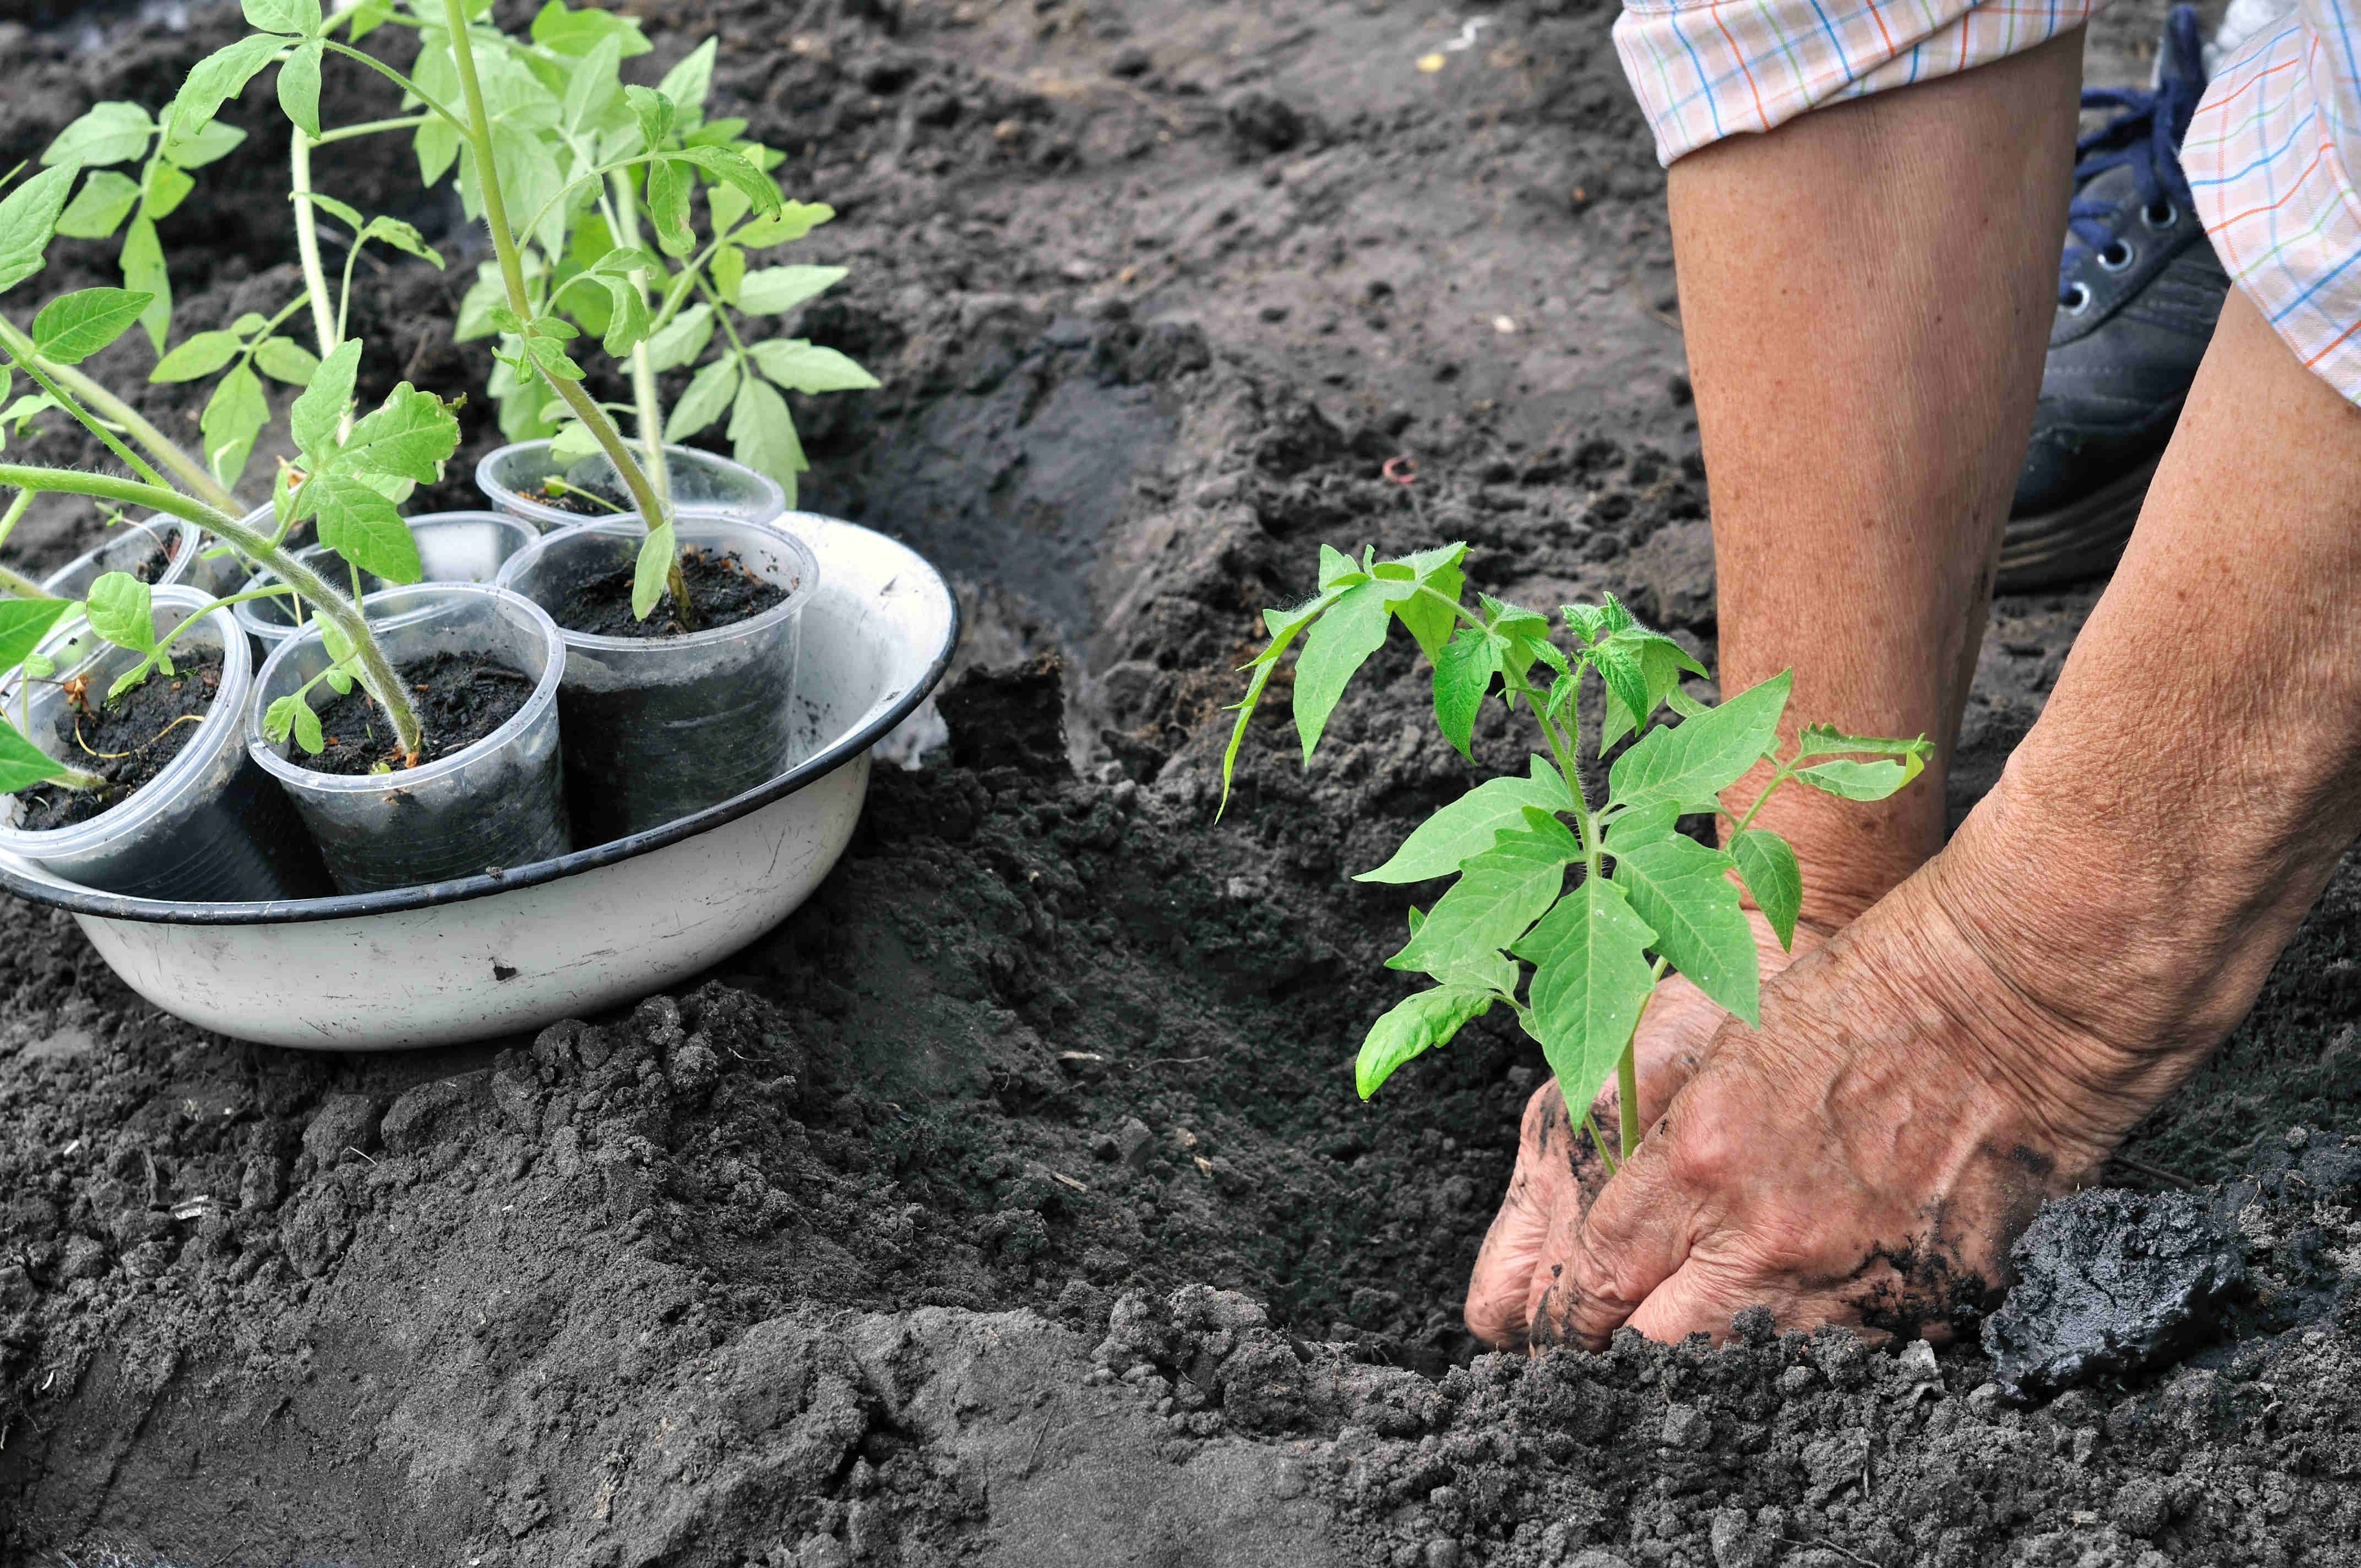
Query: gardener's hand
<point x="1866" y="1158"/>
<point x="1558" y="1168"/>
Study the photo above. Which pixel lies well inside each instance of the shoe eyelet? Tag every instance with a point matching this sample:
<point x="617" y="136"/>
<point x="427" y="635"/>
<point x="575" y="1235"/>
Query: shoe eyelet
<point x="2080" y="302"/>
<point x="2118" y="256"/>
<point x="2158" y="224"/>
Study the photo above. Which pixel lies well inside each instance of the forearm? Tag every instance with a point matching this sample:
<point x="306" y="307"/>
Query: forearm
<point x="1865" y="293"/>
<point x="2196" y="777"/>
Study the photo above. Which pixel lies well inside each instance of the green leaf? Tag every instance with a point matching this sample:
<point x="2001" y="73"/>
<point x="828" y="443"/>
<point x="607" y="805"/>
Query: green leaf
<point x="411" y="435"/>
<point x="686" y="83"/>
<point x="592" y="85"/>
<point x="28" y="217"/>
<point x="1463" y="674"/>
<point x="1679" y="887"/>
<point x="207" y="143"/>
<point x="143" y="272"/>
<point x="313" y="418"/>
<point x="654" y="112"/>
<point x="1768" y="864"/>
<point x="732" y="169"/>
<point x="99" y="208"/>
<point x="1620" y="669"/>
<point x="1339" y="644"/>
<point x="682" y="340"/>
<point x="366" y="18"/>
<point x="1466" y="828"/>
<point x="1428" y="621"/>
<point x="1338" y="569"/>
<point x="306" y="725"/>
<point x="1413" y="1027"/>
<point x="709" y="391"/>
<point x="801" y="367"/>
<point x="120" y="610"/>
<point x="403" y="236"/>
<point x="628" y="323"/>
<point x="165" y="189"/>
<point x="284" y="15"/>
<point x="725" y="204"/>
<point x="216" y="79"/>
<point x="299" y="88"/>
<point x="581" y="32"/>
<point x="72" y="327"/>
<point x="1498" y="897"/>
<point x="24" y="765"/>
<point x="233" y="418"/>
<point x="1283" y="626"/>
<point x="360" y="525"/>
<point x="790" y="223"/>
<point x="650" y="575"/>
<point x="1662" y="663"/>
<point x="668" y="209"/>
<point x="1692" y="762"/>
<point x="1591" y="980"/>
<point x="22" y="624"/>
<point x="109" y="133"/>
<point x="728" y="269"/>
<point x="285" y="359"/>
<point x="763" y="434"/>
<point x="1642" y="825"/>
<point x="1586" y="621"/>
<point x="1857" y="780"/>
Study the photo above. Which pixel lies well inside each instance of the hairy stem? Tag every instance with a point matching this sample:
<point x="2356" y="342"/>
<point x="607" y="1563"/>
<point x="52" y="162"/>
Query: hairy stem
<point x="185" y="468"/>
<point x="18" y="585"/>
<point x="376" y="674"/>
<point x="643" y="375"/>
<point x="307" y="240"/>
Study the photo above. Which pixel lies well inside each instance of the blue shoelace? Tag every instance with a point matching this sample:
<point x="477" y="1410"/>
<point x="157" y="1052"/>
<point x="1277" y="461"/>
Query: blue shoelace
<point x="2146" y="134"/>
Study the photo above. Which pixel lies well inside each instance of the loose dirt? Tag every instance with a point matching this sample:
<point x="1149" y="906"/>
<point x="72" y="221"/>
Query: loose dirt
<point x="721" y="588"/>
<point x="460" y="698"/>
<point x="126" y="741"/>
<point x="1010" y="1204"/>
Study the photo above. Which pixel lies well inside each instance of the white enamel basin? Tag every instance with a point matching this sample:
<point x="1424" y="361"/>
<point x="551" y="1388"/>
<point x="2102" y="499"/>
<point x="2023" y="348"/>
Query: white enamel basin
<point x="487" y="956"/>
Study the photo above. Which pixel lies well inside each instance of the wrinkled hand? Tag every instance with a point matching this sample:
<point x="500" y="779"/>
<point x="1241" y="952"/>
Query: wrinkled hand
<point x="1866" y="1158"/>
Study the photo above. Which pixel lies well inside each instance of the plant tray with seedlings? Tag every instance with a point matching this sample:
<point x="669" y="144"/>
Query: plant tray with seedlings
<point x="441" y="719"/>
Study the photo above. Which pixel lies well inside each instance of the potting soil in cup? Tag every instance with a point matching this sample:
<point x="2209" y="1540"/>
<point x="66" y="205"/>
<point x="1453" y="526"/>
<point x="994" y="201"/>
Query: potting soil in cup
<point x="460" y="698"/>
<point x="721" y="592"/>
<point x="127" y="742"/>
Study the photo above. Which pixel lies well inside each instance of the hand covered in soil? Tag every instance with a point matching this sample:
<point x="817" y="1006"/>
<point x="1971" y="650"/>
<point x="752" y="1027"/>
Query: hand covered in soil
<point x="1866" y="1158"/>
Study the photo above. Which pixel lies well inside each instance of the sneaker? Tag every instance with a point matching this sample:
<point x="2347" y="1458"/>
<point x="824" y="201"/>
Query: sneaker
<point x="2138" y="292"/>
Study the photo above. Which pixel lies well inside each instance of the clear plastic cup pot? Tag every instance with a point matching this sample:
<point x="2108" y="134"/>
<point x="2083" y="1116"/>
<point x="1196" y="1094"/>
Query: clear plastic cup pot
<point x="699" y="483"/>
<point x="498" y="803"/>
<point x="453" y="547"/>
<point x="659" y="728"/>
<point x="210" y="827"/>
<point x="126" y="548"/>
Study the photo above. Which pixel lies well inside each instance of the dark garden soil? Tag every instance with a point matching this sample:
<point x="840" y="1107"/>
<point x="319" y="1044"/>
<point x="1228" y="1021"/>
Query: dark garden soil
<point x="721" y="591"/>
<point x="127" y="742"/>
<point x="460" y="698"/>
<point x="1010" y="1204"/>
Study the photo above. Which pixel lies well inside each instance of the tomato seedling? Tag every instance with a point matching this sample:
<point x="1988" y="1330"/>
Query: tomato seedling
<point x="1647" y="899"/>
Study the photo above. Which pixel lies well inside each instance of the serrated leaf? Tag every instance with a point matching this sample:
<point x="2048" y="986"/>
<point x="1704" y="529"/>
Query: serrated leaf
<point x="410" y="435"/>
<point x="143" y="272"/>
<point x="1591" y="980"/>
<point x="579" y="32"/>
<point x="24" y="765"/>
<point x="360" y="525"/>
<point x="207" y="143"/>
<point x="668" y="209"/>
<point x="591" y="83"/>
<point x="1429" y="621"/>
<point x="1857" y="780"/>
<point x="656" y="114"/>
<point x="1338" y="569"/>
<point x="306" y="727"/>
<point x="651" y="574"/>
<point x="213" y="82"/>
<point x="22" y="624"/>
<point x="1679" y="887"/>
<point x="1498" y="897"/>
<point x="366" y="18"/>
<point x="72" y="327"/>
<point x="403" y="236"/>
<point x="550" y="357"/>
<point x="313" y="419"/>
<point x="165" y="189"/>
<point x="1467" y="826"/>
<point x="1414" y="1026"/>
<point x="627" y="322"/>
<point x="436" y="145"/>
<point x="120" y="610"/>
<point x="763" y="435"/>
<point x="790" y="223"/>
<point x="1823" y="740"/>
<point x="285" y="359"/>
<point x="282" y="16"/>
<point x="708" y="392"/>
<point x="686" y="83"/>
<point x="734" y="171"/>
<point x="728" y="270"/>
<point x="99" y="208"/>
<point x="682" y="340"/>
<point x="1463" y="674"/>
<point x="1586" y="621"/>
<point x="1338" y="645"/>
<point x="278" y="718"/>
<point x="1619" y="671"/>
<point x="1284" y="627"/>
<point x="725" y="204"/>
<point x="338" y="646"/>
<point x="28" y="215"/>
<point x="1662" y="663"/>
<point x="1642" y="825"/>
<point x="107" y="133"/>
<point x="1692" y="762"/>
<point x="299" y="88"/>
<point x="1768" y="863"/>
<point x="234" y="416"/>
<point x="800" y="366"/>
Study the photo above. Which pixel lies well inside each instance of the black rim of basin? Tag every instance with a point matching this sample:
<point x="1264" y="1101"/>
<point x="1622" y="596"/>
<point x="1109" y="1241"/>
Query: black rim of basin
<point x="345" y="906"/>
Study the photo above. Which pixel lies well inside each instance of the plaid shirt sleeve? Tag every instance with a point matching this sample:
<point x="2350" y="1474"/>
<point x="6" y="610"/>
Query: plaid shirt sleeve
<point x="1705" y="71"/>
<point x="2270" y="156"/>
